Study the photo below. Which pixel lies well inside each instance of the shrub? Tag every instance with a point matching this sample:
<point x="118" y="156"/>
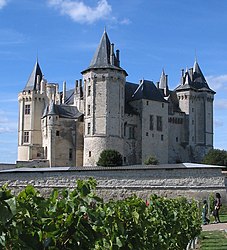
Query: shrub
<point x="110" y="157"/>
<point x="151" y="160"/>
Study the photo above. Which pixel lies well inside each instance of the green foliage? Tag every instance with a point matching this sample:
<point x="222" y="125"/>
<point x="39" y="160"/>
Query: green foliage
<point x="151" y="160"/>
<point x="216" y="157"/>
<point x="110" y="157"/>
<point x="79" y="219"/>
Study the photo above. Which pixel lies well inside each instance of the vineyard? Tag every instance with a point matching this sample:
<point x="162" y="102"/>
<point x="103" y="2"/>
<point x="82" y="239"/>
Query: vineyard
<point x="79" y="219"/>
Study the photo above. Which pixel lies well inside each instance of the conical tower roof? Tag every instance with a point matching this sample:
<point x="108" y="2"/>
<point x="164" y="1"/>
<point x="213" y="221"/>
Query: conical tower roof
<point x="32" y="80"/>
<point x="102" y="56"/>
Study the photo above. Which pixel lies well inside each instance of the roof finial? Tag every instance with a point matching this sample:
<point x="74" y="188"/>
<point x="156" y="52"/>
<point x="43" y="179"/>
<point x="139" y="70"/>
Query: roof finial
<point x="105" y="29"/>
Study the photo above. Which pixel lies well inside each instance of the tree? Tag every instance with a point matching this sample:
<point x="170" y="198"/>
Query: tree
<point x="216" y="157"/>
<point x="151" y="160"/>
<point x="110" y="157"/>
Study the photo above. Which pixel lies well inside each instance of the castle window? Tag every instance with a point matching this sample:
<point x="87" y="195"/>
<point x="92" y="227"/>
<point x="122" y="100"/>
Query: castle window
<point x="88" y="90"/>
<point x="89" y="153"/>
<point x="89" y="128"/>
<point x="26" y="137"/>
<point x="162" y="137"/>
<point x="159" y="123"/>
<point x="176" y="139"/>
<point x="131" y="132"/>
<point x="88" y="109"/>
<point x="162" y="105"/>
<point x="70" y="154"/>
<point x="27" y="109"/>
<point x="192" y="122"/>
<point x="57" y="133"/>
<point x="147" y="134"/>
<point x="192" y="109"/>
<point x="151" y="122"/>
<point x="147" y="102"/>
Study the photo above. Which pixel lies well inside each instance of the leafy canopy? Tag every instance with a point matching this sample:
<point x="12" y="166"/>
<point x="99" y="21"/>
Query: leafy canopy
<point x="216" y="157"/>
<point x="110" y="157"/>
<point x="79" y="219"/>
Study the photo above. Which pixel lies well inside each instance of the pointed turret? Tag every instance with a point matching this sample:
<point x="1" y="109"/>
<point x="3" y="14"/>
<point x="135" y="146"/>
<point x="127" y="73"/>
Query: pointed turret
<point x="104" y="56"/>
<point x="35" y="78"/>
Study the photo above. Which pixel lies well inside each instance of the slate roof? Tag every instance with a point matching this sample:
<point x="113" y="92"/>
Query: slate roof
<point x="32" y="80"/>
<point x="147" y="90"/>
<point x="196" y="81"/>
<point x="63" y="111"/>
<point x="101" y="58"/>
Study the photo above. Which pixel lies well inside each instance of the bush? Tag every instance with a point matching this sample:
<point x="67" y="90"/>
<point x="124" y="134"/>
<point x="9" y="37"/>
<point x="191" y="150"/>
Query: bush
<point x="109" y="158"/>
<point x="216" y="157"/>
<point x="151" y="160"/>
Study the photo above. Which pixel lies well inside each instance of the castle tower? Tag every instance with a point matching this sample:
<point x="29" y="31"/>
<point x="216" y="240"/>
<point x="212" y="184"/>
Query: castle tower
<point x="196" y="100"/>
<point x="104" y="91"/>
<point x="31" y="105"/>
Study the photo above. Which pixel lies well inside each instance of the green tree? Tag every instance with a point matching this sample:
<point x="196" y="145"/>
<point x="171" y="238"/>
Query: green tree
<point x="216" y="157"/>
<point x="110" y="157"/>
<point x="151" y="160"/>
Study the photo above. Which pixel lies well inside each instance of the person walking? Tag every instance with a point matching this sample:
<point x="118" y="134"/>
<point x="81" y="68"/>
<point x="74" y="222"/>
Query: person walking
<point x="217" y="206"/>
<point x="204" y="213"/>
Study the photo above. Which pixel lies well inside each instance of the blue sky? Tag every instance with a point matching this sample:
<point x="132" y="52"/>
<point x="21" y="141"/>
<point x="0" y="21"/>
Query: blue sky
<point x="151" y="35"/>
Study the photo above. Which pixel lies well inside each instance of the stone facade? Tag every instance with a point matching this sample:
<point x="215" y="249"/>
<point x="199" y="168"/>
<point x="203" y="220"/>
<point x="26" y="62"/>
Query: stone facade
<point x="104" y="111"/>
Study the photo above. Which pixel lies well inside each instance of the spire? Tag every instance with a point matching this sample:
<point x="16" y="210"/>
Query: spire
<point x="163" y="84"/>
<point x="35" y="78"/>
<point x="163" y="80"/>
<point x="198" y="76"/>
<point x="102" y="55"/>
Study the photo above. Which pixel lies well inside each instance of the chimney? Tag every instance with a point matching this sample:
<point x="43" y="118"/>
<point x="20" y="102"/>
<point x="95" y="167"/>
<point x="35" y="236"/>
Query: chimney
<point x="81" y="88"/>
<point x="64" y="92"/>
<point x="118" y="57"/>
<point x="112" y="54"/>
<point x="76" y="87"/>
<point x="157" y="85"/>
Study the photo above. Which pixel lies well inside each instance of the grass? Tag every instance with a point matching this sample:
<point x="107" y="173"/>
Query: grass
<point x="213" y="240"/>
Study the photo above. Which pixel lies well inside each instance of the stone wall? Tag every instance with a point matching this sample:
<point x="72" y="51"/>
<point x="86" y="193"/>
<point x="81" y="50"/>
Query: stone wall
<point x="118" y="183"/>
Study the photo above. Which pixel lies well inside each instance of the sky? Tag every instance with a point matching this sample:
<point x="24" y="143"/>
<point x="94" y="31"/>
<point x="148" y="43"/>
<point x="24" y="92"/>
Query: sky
<point x="151" y="36"/>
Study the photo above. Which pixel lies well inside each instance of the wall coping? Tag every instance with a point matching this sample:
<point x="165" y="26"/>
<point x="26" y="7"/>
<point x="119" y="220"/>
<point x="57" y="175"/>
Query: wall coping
<point x="119" y="168"/>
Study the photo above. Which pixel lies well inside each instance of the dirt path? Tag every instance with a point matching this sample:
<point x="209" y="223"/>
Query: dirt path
<point x="214" y="227"/>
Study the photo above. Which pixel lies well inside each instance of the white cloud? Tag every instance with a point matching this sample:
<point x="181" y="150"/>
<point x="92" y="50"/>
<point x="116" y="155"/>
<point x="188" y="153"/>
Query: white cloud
<point x="221" y="103"/>
<point x="217" y="82"/>
<point x="82" y="13"/>
<point x="125" y="21"/>
<point x="218" y="123"/>
<point x="7" y="125"/>
<point x="9" y="36"/>
<point x="3" y="3"/>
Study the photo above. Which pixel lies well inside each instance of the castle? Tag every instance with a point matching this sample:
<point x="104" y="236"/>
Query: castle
<point x="104" y="111"/>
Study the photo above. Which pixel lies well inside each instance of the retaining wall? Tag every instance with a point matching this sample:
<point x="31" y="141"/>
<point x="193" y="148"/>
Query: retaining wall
<point x="195" y="181"/>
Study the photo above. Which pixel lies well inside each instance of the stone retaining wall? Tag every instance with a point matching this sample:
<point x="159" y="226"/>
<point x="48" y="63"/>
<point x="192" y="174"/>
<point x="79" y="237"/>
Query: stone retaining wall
<point x="118" y="183"/>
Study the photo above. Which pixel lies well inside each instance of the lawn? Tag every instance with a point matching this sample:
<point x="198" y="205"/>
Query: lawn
<point x="214" y="240"/>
